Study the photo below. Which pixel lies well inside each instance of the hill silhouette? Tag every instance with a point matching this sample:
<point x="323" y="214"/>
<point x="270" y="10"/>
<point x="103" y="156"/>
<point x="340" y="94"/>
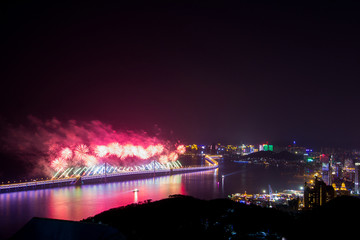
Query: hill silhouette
<point x="185" y="217"/>
<point x="337" y="219"/>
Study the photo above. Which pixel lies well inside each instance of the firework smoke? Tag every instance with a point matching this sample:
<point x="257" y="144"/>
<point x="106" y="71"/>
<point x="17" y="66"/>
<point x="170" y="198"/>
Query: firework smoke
<point x="56" y="145"/>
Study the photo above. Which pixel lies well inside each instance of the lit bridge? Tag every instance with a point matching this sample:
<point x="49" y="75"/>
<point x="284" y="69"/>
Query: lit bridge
<point x="211" y="159"/>
<point x="105" y="173"/>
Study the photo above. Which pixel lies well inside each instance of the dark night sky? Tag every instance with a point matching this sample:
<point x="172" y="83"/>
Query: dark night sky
<point x="229" y="72"/>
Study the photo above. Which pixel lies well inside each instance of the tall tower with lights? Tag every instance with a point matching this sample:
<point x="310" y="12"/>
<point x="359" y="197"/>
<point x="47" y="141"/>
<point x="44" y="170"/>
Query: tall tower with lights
<point x="356" y="188"/>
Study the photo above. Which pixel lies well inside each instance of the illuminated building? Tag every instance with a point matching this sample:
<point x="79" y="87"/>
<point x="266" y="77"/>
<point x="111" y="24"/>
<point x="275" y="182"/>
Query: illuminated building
<point x="337" y="168"/>
<point x="342" y="191"/>
<point x="194" y="147"/>
<point x="324" y="158"/>
<point x="318" y="194"/>
<point x="296" y="150"/>
<point x="327" y="169"/>
<point x="326" y="173"/>
<point x="349" y="170"/>
<point x="356" y="188"/>
<point x="266" y="147"/>
<point x="247" y="149"/>
<point x="349" y="165"/>
<point x="231" y="149"/>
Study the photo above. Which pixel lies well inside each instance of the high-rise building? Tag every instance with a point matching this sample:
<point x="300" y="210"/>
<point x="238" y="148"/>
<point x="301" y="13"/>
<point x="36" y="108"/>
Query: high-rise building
<point x="318" y="194"/>
<point x="356" y="187"/>
<point x="327" y="169"/>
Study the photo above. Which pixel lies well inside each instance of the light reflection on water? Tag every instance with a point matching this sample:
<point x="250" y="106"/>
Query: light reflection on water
<point x="80" y="202"/>
<point x="76" y="203"/>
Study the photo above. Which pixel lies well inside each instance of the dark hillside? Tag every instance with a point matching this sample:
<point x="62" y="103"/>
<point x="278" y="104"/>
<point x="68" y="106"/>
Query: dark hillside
<point x="184" y="217"/>
<point x="337" y="219"/>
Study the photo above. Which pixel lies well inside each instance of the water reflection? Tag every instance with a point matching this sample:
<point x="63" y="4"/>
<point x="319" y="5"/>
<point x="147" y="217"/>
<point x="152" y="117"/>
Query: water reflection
<point x="76" y="203"/>
<point x="80" y="202"/>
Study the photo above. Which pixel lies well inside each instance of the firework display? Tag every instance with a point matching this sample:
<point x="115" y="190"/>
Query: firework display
<point x="108" y="169"/>
<point x="92" y="157"/>
<point x="64" y="148"/>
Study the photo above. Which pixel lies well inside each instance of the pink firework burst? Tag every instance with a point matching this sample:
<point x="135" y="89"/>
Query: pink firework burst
<point x="81" y="151"/>
<point x="141" y="153"/>
<point x="115" y="149"/>
<point x="90" y="160"/>
<point x="101" y="151"/>
<point x="59" y="164"/>
<point x="66" y="153"/>
<point x="128" y="151"/>
<point x="173" y="156"/>
<point x="154" y="149"/>
<point x="163" y="159"/>
<point x="181" y="149"/>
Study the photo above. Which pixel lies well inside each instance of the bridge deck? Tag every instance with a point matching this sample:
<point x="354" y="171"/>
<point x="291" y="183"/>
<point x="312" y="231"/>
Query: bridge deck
<point x="68" y="181"/>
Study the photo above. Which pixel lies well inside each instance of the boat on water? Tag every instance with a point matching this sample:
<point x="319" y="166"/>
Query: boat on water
<point x="135" y="190"/>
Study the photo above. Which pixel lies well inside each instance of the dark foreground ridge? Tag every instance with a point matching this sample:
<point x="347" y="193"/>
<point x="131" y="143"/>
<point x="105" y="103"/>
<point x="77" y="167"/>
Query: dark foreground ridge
<point x="185" y="217"/>
<point x="51" y="229"/>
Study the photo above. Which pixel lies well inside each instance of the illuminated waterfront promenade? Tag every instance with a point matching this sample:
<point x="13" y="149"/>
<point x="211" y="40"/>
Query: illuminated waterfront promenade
<point x="117" y="176"/>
